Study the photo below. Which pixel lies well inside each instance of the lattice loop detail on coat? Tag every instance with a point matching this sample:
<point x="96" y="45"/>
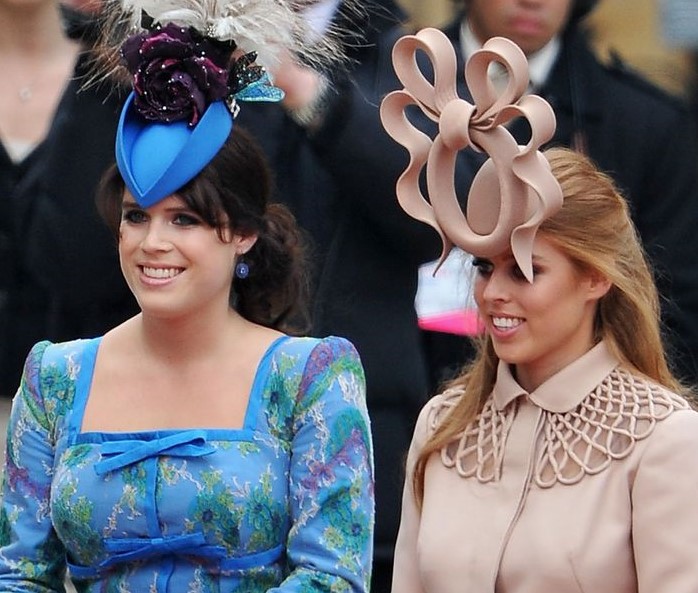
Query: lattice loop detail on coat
<point x="605" y="426"/>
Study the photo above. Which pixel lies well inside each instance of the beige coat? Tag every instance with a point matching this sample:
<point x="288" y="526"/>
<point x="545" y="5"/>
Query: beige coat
<point x="588" y="484"/>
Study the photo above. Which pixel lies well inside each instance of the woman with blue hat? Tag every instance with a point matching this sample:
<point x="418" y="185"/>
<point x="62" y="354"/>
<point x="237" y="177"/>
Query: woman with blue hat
<point x="198" y="446"/>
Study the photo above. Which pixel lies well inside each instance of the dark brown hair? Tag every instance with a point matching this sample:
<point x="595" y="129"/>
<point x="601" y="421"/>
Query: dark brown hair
<point x="233" y="192"/>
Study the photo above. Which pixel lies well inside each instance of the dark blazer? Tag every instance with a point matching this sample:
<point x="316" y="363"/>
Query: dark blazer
<point x="59" y="270"/>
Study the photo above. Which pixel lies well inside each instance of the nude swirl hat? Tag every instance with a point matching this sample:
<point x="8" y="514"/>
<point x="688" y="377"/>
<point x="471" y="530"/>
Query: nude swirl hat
<point x="515" y="190"/>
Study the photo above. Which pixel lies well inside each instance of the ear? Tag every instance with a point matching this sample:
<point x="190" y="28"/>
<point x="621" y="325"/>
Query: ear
<point x="597" y="285"/>
<point x="243" y="243"/>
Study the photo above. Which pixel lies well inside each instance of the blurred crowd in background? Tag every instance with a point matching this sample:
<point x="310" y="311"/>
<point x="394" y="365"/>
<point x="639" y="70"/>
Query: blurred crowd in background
<point x="657" y="37"/>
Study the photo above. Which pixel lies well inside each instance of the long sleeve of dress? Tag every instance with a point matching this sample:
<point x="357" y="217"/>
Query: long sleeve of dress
<point x="32" y="558"/>
<point x="665" y="516"/>
<point x="406" y="573"/>
<point x="331" y="483"/>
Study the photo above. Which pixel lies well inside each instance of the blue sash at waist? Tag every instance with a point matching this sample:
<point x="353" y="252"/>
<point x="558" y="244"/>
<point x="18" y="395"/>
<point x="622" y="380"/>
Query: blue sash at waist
<point x="124" y="550"/>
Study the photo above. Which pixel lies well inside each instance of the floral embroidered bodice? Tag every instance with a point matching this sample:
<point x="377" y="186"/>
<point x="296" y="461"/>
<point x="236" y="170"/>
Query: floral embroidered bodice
<point x="285" y="502"/>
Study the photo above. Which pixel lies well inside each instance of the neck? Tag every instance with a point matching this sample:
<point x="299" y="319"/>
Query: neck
<point x="186" y="340"/>
<point x="532" y="375"/>
<point x="36" y="30"/>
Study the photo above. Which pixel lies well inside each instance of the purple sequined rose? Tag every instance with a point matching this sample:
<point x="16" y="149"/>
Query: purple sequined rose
<point x="177" y="72"/>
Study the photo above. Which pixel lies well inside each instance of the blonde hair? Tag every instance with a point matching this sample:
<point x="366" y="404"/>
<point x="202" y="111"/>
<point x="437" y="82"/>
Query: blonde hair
<point x="594" y="229"/>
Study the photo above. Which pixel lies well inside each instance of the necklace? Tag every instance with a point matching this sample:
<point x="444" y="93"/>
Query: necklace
<point x="26" y="93"/>
<point x="43" y="70"/>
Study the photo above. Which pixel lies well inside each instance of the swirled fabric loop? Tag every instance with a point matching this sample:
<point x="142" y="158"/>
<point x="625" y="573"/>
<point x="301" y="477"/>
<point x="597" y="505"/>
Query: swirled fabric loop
<point x="418" y="144"/>
<point x="120" y="454"/>
<point x="488" y="101"/>
<point x="515" y="190"/>
<point x="431" y="98"/>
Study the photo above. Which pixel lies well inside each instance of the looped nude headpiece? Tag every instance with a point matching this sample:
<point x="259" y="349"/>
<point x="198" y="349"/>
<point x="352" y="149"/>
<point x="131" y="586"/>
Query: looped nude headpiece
<point x="515" y="190"/>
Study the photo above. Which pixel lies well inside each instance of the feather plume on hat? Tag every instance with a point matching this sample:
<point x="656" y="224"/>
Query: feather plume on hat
<point x="269" y="28"/>
<point x="191" y="63"/>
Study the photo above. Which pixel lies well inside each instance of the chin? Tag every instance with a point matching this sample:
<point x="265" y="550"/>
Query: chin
<point x="529" y="44"/>
<point x="512" y="354"/>
<point x="150" y="308"/>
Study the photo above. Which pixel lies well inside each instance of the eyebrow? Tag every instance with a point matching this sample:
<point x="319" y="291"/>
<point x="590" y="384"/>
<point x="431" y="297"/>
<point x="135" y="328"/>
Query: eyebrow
<point x="132" y="203"/>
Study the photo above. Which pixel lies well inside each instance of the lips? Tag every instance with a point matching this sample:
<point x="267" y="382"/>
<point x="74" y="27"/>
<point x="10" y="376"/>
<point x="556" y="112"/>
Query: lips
<point x="527" y="25"/>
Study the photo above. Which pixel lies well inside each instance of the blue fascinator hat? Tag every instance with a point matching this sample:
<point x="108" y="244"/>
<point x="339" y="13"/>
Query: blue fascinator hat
<point x="157" y="159"/>
<point x="182" y="108"/>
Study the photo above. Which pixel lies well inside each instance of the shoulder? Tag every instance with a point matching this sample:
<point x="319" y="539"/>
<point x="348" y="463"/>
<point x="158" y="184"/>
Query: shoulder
<point x="645" y="407"/>
<point x="55" y="367"/>
<point x="46" y="353"/>
<point x="674" y="413"/>
<point x="631" y="82"/>
<point x="80" y="25"/>
<point x="683" y="424"/>
<point x="326" y="381"/>
<point x="317" y="369"/>
<point x="670" y="453"/>
<point x="51" y="364"/>
<point x="62" y="354"/>
<point x="49" y="379"/>
<point x="646" y="390"/>
<point x="320" y="353"/>
<point x="611" y="82"/>
<point x="440" y="405"/>
<point x="435" y="411"/>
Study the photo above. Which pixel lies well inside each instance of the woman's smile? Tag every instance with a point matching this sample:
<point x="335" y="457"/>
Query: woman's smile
<point x="160" y="273"/>
<point x="505" y="324"/>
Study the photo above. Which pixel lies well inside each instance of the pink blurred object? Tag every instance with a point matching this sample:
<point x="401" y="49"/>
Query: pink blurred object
<point x="464" y="322"/>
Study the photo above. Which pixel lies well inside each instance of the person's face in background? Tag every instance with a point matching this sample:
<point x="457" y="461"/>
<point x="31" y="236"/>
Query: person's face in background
<point x="84" y="5"/>
<point x="528" y="23"/>
<point x="27" y="6"/>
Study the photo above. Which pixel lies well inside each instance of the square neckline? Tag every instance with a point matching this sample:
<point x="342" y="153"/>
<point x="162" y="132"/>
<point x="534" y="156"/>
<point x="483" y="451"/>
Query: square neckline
<point x="83" y="386"/>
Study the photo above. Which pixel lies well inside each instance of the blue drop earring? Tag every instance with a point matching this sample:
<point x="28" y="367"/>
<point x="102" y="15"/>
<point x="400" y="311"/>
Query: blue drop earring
<point x="242" y="270"/>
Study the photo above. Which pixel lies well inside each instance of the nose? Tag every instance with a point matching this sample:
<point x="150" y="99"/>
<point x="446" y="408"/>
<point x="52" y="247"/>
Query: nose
<point x="155" y="237"/>
<point x="495" y="287"/>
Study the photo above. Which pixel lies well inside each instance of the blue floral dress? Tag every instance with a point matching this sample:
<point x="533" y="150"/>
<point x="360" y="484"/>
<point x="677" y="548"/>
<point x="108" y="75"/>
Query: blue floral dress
<point x="283" y="504"/>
